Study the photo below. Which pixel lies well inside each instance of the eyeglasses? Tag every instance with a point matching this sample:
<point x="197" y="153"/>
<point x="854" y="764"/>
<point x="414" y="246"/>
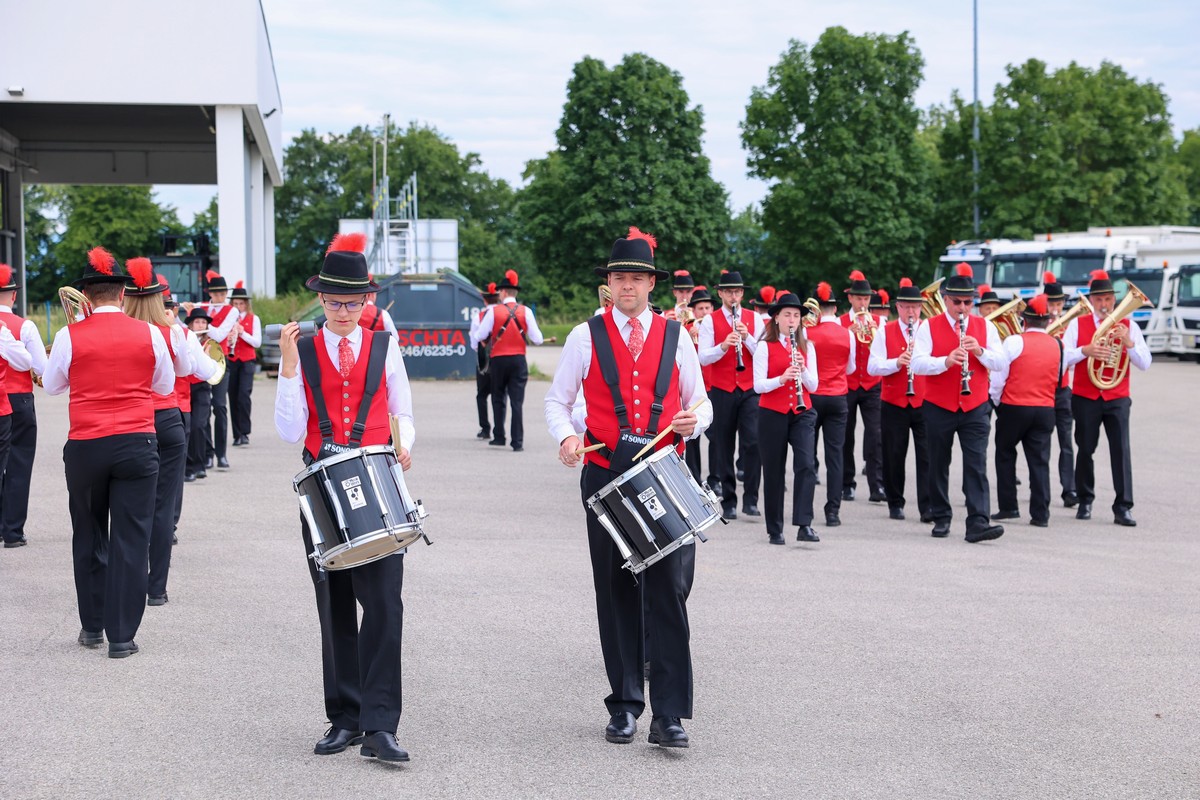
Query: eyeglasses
<point x="334" y="305"/>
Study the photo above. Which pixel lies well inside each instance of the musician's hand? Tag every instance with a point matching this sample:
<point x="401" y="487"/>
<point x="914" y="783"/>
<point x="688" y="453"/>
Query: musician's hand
<point x="904" y="359"/>
<point x="789" y="375"/>
<point x="1124" y="338"/>
<point x="731" y="341"/>
<point x="971" y="344"/>
<point x="741" y="328"/>
<point x="956" y="357"/>
<point x="1096" y="351"/>
<point x="289" y="352"/>
<point x="404" y="457"/>
<point x="566" y="451"/>
<point x="684" y="423"/>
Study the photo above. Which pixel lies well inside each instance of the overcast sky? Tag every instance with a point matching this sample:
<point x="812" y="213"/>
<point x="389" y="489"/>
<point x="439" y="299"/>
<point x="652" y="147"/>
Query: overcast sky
<point x="492" y="75"/>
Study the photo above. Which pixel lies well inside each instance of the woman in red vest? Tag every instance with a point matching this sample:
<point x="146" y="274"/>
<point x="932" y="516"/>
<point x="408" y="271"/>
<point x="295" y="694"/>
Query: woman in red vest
<point x="241" y="363"/>
<point x="783" y="378"/>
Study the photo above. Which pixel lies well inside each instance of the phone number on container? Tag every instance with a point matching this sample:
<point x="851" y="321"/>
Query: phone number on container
<point x="433" y="350"/>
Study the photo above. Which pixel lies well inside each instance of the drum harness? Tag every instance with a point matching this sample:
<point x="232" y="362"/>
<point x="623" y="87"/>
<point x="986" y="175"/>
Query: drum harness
<point x="377" y="360"/>
<point x="608" y="370"/>
<point x="483" y="356"/>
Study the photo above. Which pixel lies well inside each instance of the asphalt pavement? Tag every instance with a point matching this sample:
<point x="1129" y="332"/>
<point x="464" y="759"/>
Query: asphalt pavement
<point x="880" y="663"/>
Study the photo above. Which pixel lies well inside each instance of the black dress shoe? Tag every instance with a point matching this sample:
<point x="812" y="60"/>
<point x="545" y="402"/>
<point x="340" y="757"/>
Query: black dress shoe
<point x="222" y="463"/>
<point x="383" y="747"/>
<point x="208" y="463"/>
<point x="336" y="740"/>
<point x="751" y="510"/>
<point x="157" y="599"/>
<point x="16" y="542"/>
<point x="484" y="433"/>
<point x="807" y="534"/>
<point x="621" y="728"/>
<point x="497" y="442"/>
<point x="775" y="538"/>
<point x="1123" y="517"/>
<point x="985" y="534"/>
<point x="1006" y="515"/>
<point x="896" y="513"/>
<point x="927" y="518"/>
<point x="729" y="513"/>
<point x="122" y="649"/>
<point x="848" y="493"/>
<point x="941" y="529"/>
<point x="877" y="498"/>
<point x="188" y="477"/>
<point x="237" y="441"/>
<point x="91" y="638"/>
<point x="1084" y="511"/>
<point x="518" y="448"/>
<point x="174" y="538"/>
<point x="667" y="732"/>
<point x="1070" y="500"/>
<point x="1040" y="523"/>
<point x="201" y="474"/>
<point x="832" y="521"/>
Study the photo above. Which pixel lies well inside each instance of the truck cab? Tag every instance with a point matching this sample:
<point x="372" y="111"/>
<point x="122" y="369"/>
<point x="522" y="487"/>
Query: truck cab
<point x="1012" y="268"/>
<point x="1072" y="259"/>
<point x="1185" y="328"/>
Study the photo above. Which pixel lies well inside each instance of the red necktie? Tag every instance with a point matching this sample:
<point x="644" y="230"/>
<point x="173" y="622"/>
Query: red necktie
<point x="345" y="358"/>
<point x="636" y="339"/>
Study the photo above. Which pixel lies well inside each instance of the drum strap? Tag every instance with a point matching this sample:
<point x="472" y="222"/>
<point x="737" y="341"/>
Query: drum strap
<point x="307" y="345"/>
<point x="312" y="376"/>
<point x="375" y="367"/>
<point x="666" y="366"/>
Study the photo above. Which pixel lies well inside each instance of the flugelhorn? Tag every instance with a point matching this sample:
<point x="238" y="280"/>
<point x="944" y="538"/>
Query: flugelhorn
<point x="864" y="326"/>
<point x="1007" y="318"/>
<point x="1108" y="372"/>
<point x="1059" y="326"/>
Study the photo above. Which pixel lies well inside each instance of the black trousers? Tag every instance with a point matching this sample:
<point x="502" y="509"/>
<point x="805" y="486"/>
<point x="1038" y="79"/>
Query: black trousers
<point x="17" y="471"/>
<point x="509" y="376"/>
<point x="111" y="483"/>
<point x="777" y="432"/>
<point x="1031" y="427"/>
<point x="197" y="443"/>
<point x="216" y="435"/>
<point x="241" y="384"/>
<point x="691" y="457"/>
<point x="831" y="427"/>
<point x="172" y="453"/>
<point x="735" y="415"/>
<point x="187" y="458"/>
<point x="483" y="388"/>
<point x="360" y="664"/>
<point x="619" y="611"/>
<point x="865" y="402"/>
<point x="1066" y="449"/>
<point x="973" y="429"/>
<point x="1114" y="416"/>
<point x="897" y="423"/>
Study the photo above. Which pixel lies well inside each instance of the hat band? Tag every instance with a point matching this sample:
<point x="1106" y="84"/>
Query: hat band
<point x="644" y="264"/>
<point x="343" y="282"/>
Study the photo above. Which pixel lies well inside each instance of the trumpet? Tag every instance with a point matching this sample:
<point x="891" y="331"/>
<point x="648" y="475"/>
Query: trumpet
<point x="1007" y="318"/>
<point x="741" y="360"/>
<point x="1108" y="372"/>
<point x="966" y="367"/>
<point x="798" y="363"/>
<point x="1059" y="326"/>
<point x="910" y="390"/>
<point x="864" y="327"/>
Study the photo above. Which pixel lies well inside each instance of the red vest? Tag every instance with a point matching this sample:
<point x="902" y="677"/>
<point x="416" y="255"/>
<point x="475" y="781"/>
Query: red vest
<point x="343" y="396"/>
<point x="724" y="371"/>
<point x="112" y="366"/>
<point x="637" y="389"/>
<point x="243" y="350"/>
<point x="183" y="393"/>
<point x="1032" y="375"/>
<point x="783" y="399"/>
<point x="832" y="345"/>
<point x="1083" y="384"/>
<point x="861" y="379"/>
<point x="1065" y="383"/>
<point x="15" y="382"/>
<point x="164" y="401"/>
<point x="371" y="319"/>
<point x="512" y="343"/>
<point x="894" y="387"/>
<point x="945" y="390"/>
<point x="218" y="314"/>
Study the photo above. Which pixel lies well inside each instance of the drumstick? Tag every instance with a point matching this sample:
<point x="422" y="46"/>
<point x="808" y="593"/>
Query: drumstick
<point x="589" y="449"/>
<point x="394" y="424"/>
<point x="664" y="433"/>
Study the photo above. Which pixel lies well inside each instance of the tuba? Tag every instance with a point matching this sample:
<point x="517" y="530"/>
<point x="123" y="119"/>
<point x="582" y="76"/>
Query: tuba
<point x="931" y="300"/>
<point x="1107" y="373"/>
<point x="1007" y="318"/>
<point x="1059" y="326"/>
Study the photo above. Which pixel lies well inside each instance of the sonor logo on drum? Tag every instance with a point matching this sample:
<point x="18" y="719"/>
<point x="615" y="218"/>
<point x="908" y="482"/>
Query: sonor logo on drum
<point x="652" y="505"/>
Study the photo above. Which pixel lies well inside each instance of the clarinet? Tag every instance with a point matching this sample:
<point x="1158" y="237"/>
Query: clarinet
<point x="910" y="391"/>
<point x="741" y="360"/>
<point x="966" y="368"/>
<point x="800" y="407"/>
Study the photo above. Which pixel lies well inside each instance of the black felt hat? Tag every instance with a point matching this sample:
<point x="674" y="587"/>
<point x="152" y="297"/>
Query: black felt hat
<point x="215" y="282"/>
<point x="511" y="280"/>
<point x="490" y="292"/>
<point x="1038" y="307"/>
<point x="907" y="292"/>
<point x="1051" y="286"/>
<point x="987" y="295"/>
<point x="1100" y="283"/>
<point x="345" y="268"/>
<point x="142" y="281"/>
<point x="699" y="296"/>
<point x="730" y="280"/>
<point x="880" y="301"/>
<point x="764" y="298"/>
<point x="962" y="282"/>
<point x="825" y="295"/>
<point x="859" y="284"/>
<point x="8" y="278"/>
<point x="634" y="253"/>
<point x="239" y="291"/>
<point x="785" y="299"/>
<point x="102" y="267"/>
<point x="682" y="279"/>
<point x="196" y="313"/>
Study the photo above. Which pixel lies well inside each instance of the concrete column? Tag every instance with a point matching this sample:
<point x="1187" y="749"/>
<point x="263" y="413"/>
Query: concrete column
<point x="255" y="276"/>
<point x="232" y="181"/>
<point x="268" y="207"/>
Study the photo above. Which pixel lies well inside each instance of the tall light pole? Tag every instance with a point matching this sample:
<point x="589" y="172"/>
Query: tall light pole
<point x="975" y="127"/>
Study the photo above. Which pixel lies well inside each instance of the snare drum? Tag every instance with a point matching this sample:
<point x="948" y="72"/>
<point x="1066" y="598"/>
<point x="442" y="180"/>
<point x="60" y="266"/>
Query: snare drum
<point x="654" y="508"/>
<point x="357" y="507"/>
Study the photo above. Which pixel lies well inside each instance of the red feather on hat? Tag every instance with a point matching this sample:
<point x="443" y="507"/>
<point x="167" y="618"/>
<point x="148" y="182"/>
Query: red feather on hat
<point x="141" y="270"/>
<point x="162" y="281"/>
<point x="905" y="283"/>
<point x="1099" y="275"/>
<point x="780" y="294"/>
<point x="824" y="291"/>
<point x="101" y="260"/>
<point x="1040" y="305"/>
<point x="885" y="297"/>
<point x="768" y="294"/>
<point x="5" y="274"/>
<point x="511" y="275"/>
<point x="211" y="275"/>
<point x="491" y="289"/>
<point x="1048" y="277"/>
<point x="963" y="269"/>
<point x="240" y="285"/>
<point x="680" y="273"/>
<point x="857" y="275"/>
<point x="701" y="287"/>
<point x="984" y="289"/>
<point x="634" y="233"/>
<point x="349" y="242"/>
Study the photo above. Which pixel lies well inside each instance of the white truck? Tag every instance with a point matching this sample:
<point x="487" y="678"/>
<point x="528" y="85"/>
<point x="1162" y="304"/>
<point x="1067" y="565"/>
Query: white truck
<point x="1013" y="268"/>
<point x="1185" y="316"/>
<point x="1153" y="272"/>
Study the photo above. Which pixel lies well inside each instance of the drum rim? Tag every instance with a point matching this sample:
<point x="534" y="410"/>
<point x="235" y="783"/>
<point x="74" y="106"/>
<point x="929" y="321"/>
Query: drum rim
<point x="358" y="452"/>
<point x="628" y="474"/>
<point x="342" y="548"/>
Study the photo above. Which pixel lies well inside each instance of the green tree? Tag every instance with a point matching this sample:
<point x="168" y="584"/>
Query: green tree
<point x="205" y="222"/>
<point x="628" y="153"/>
<point x="1189" y="163"/>
<point x="834" y="130"/>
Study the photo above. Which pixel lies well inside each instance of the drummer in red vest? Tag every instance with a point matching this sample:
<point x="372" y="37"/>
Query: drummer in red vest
<point x="836" y="360"/>
<point x="862" y="392"/>
<point x="14" y="499"/>
<point x="510" y="325"/>
<point x="1063" y="421"/>
<point x="111" y="455"/>
<point x="636" y="344"/>
<point x="725" y="332"/>
<point x="483" y="377"/>
<point x="783" y="378"/>
<point x="956" y="402"/>
<point x="361" y="664"/>
<point x="1024" y="393"/>
<point x="1092" y="406"/>
<point x="682" y="286"/>
<point x="901" y="393"/>
<point x="242" y="362"/>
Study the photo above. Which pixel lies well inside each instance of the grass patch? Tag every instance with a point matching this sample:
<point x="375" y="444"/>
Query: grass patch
<point x="537" y="375"/>
<point x="557" y="329"/>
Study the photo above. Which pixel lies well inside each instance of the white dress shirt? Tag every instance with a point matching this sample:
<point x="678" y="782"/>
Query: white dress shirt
<point x="57" y="377"/>
<point x="484" y="330"/>
<point x="576" y="361"/>
<point x="477" y="339"/>
<point x="291" y="405"/>
<point x="926" y="364"/>
<point x="13" y="351"/>
<point x="878" y="364"/>
<point x="834" y="319"/>
<point x="764" y="384"/>
<point x="31" y="338"/>
<point x="221" y="332"/>
<point x="1013" y="346"/>
<point x="711" y="351"/>
<point x="1139" y="355"/>
<point x="182" y="361"/>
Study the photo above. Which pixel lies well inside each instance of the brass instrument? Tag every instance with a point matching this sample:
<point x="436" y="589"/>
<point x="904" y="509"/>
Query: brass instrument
<point x="1059" y="326"/>
<point x="910" y="390"/>
<point x="75" y="304"/>
<point x="810" y="320"/>
<point x="864" y="327"/>
<point x="1007" y="318"/>
<point x="214" y="350"/>
<point x="234" y="332"/>
<point x="685" y="316"/>
<point x="931" y="300"/>
<point x="737" y="317"/>
<point x="966" y="366"/>
<point x="798" y="363"/>
<point x="1106" y="373"/>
